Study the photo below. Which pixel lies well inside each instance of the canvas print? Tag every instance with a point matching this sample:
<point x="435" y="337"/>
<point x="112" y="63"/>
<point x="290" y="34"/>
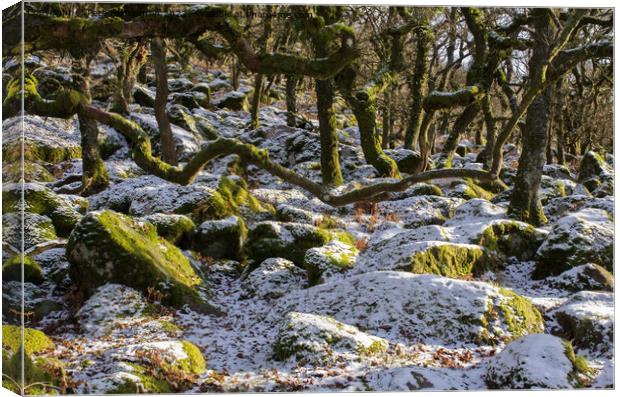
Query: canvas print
<point x="212" y="198"/>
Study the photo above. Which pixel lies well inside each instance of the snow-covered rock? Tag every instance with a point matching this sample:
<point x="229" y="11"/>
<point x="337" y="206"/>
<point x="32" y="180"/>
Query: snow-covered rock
<point x="137" y="351"/>
<point x="37" y="229"/>
<point x="178" y="229"/>
<point x="316" y="339"/>
<point x="586" y="318"/>
<point x="149" y="194"/>
<point x="221" y="238"/>
<point x="47" y="139"/>
<point x="421" y="210"/>
<point x="589" y="277"/>
<point x="323" y="262"/>
<point x="413" y="308"/>
<point x="586" y="236"/>
<point x="537" y="361"/>
<point x="287" y="240"/>
<point x="426" y="250"/>
<point x="274" y="278"/>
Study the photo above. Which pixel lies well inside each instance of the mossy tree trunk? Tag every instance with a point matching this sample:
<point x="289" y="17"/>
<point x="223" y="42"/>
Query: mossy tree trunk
<point x="94" y="175"/>
<point x="130" y="59"/>
<point x="291" y="100"/>
<point x="388" y="119"/>
<point x="259" y="78"/>
<point x="158" y="53"/>
<point x="330" y="158"/>
<point x="418" y="82"/>
<point x="525" y="202"/>
<point x="484" y="156"/>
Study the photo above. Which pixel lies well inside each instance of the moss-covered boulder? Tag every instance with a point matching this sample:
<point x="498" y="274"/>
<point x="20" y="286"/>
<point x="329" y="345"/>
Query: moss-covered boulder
<point x="143" y="96"/>
<point x="589" y="277"/>
<point x="596" y="175"/>
<point x="232" y="197"/>
<point x="234" y="100"/>
<point x="221" y="238"/>
<point x="107" y="246"/>
<point x="151" y="367"/>
<point x="427" y="250"/>
<point x="586" y="318"/>
<point x="37" y="229"/>
<point x="290" y="213"/>
<point x="185" y="99"/>
<point x="178" y="229"/>
<point x="273" y="278"/>
<point x="535" y="362"/>
<point x="468" y="189"/>
<point x="12" y="270"/>
<point x="153" y="359"/>
<point x="592" y="165"/>
<point x="512" y="238"/>
<point x="285" y="240"/>
<point x="586" y="236"/>
<point x="33" y="172"/>
<point x="407" y="160"/>
<point x="412" y="308"/>
<point x="41" y="200"/>
<point x="116" y="311"/>
<point x="34" y="341"/>
<point x="45" y="139"/>
<point x="310" y="338"/>
<point x="323" y="262"/>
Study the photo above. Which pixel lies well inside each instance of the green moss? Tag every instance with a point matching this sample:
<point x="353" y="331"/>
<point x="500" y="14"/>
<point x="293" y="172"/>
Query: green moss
<point x="511" y="238"/>
<point x="328" y="222"/>
<point x="478" y="191"/>
<point x="195" y="362"/>
<point x="43" y="201"/>
<point x="41" y="376"/>
<point x="12" y="270"/>
<point x="35" y="340"/>
<point x="174" y="228"/>
<point x="376" y="347"/>
<point x="580" y="365"/>
<point x="520" y="314"/>
<point x="33" y="172"/>
<point x="170" y="328"/>
<point x="110" y="247"/>
<point x="453" y="260"/>
<point x="264" y="241"/>
<point x="148" y="383"/>
<point x="231" y="198"/>
<point x="345" y="237"/>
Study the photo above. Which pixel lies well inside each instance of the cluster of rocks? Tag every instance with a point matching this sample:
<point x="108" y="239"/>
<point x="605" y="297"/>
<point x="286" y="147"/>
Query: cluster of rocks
<point x="344" y="284"/>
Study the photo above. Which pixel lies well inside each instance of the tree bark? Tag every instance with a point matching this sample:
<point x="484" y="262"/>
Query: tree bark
<point x="168" y="149"/>
<point x="418" y="83"/>
<point x="131" y="59"/>
<point x="94" y="174"/>
<point x="525" y="201"/>
<point x="330" y="159"/>
<point x="291" y="100"/>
